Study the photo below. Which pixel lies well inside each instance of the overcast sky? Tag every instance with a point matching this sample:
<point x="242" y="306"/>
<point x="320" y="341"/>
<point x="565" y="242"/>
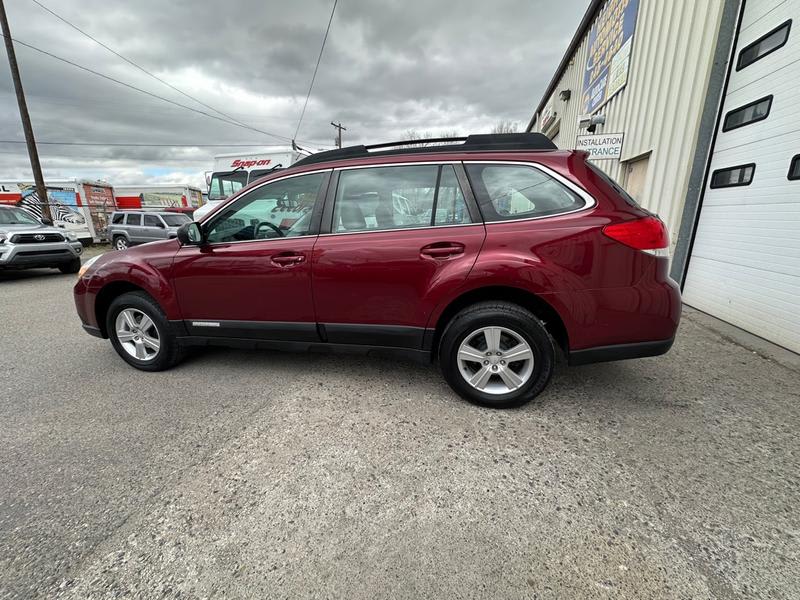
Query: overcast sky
<point x="389" y="66"/>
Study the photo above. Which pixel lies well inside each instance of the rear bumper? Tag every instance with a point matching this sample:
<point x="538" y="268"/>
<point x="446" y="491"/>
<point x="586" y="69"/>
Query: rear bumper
<point x="619" y="352"/>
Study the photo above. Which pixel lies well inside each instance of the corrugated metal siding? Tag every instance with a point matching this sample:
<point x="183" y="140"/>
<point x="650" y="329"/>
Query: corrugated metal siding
<point x="659" y="109"/>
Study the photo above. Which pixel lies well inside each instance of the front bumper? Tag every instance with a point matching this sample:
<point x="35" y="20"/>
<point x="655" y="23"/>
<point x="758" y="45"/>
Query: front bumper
<point x="27" y="256"/>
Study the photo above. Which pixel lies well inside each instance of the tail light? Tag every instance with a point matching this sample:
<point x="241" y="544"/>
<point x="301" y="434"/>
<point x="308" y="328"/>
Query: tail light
<point x="648" y="234"/>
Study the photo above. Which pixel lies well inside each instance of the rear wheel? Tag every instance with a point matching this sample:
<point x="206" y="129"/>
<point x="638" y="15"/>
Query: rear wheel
<point x="71" y="267"/>
<point x="497" y="354"/>
<point x="141" y="334"/>
<point x="121" y="242"/>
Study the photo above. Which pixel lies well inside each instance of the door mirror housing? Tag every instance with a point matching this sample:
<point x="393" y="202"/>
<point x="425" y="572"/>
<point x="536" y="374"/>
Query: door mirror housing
<point x="190" y="234"/>
<point x="46" y="221"/>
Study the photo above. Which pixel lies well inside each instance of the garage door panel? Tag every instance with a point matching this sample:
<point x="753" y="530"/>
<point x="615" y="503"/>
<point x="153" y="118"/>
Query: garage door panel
<point x="772" y="64"/>
<point x="745" y="262"/>
<point x="737" y="296"/>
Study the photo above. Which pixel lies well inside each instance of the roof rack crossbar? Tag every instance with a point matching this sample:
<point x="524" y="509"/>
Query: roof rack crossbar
<point x="474" y="142"/>
<point x="417" y="142"/>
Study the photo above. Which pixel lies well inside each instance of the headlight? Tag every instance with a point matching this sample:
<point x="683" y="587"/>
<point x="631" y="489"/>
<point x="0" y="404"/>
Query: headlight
<point x="85" y="267"/>
<point x="71" y="236"/>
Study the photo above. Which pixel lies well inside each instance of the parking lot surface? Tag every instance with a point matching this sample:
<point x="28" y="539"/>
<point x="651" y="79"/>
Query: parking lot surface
<point x="275" y="475"/>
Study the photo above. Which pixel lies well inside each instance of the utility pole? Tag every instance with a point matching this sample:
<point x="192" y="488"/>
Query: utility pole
<point x="337" y="125"/>
<point x="41" y="191"/>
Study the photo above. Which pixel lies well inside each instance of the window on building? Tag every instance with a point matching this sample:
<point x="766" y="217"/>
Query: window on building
<point x="766" y="44"/>
<point x="134" y="219"/>
<point x="507" y="192"/>
<point x="749" y="113"/>
<point x="794" y="168"/>
<point x="733" y="176"/>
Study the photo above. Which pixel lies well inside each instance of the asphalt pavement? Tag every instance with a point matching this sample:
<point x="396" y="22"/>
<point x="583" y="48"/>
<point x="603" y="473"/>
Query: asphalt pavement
<point x="273" y="475"/>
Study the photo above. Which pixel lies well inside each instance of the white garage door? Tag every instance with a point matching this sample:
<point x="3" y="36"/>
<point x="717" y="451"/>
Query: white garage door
<point x="745" y="263"/>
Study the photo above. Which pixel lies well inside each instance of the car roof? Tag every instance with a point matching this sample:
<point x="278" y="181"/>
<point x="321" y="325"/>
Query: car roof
<point x="473" y="143"/>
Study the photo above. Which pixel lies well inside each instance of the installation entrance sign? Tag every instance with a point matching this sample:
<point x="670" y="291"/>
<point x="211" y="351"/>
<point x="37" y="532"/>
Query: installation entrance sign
<point x="601" y="145"/>
<point x="609" y="55"/>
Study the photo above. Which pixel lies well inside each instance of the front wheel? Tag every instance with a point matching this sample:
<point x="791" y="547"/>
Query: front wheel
<point x="140" y="333"/>
<point x="71" y="267"/>
<point x="497" y="354"/>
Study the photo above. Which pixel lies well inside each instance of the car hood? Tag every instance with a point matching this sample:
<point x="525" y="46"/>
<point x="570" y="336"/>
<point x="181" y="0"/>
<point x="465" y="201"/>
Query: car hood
<point x="30" y="228"/>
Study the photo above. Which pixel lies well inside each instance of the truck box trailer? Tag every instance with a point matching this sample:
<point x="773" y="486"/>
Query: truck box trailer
<point x="80" y="206"/>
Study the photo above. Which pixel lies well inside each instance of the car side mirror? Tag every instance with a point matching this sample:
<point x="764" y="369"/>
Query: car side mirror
<point x="46" y="221"/>
<point x="190" y="234"/>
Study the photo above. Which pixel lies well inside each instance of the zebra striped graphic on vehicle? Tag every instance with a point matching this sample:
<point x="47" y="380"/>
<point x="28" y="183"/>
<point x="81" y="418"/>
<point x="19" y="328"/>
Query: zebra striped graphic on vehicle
<point x="31" y="204"/>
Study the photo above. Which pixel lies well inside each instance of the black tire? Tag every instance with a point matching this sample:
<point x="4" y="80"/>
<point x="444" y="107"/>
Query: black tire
<point x="509" y="316"/>
<point x="120" y="242"/>
<point x="169" y="353"/>
<point x="71" y="267"/>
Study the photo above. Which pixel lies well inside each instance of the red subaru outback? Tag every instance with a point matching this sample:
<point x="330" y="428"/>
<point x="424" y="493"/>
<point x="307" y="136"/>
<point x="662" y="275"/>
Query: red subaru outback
<point x="487" y="256"/>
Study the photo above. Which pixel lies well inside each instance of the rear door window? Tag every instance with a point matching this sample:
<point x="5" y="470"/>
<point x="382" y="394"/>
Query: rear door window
<point x="134" y="219"/>
<point x="401" y="197"/>
<point x="509" y="192"/>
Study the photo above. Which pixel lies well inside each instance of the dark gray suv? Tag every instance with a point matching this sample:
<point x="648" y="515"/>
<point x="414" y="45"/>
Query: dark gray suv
<point x="131" y="227"/>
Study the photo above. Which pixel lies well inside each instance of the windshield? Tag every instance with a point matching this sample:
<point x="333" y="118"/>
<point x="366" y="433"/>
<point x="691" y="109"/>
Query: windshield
<point x="16" y="216"/>
<point x="226" y="183"/>
<point x="175" y="220"/>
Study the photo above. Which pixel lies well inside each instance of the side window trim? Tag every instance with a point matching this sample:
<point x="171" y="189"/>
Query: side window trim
<point x="589" y="201"/>
<point x="316" y="214"/>
<point x="786" y="24"/>
<point x="469" y="199"/>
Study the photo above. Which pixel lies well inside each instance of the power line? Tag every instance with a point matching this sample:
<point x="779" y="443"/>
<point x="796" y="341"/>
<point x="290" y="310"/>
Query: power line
<point x="314" y="76"/>
<point x="151" y="94"/>
<point x="132" y="63"/>
<point x="138" y="145"/>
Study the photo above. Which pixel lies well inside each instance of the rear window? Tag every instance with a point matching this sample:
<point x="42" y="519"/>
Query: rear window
<point x="117" y="218"/>
<point x="175" y="220"/>
<point x="617" y="187"/>
<point x="508" y="192"/>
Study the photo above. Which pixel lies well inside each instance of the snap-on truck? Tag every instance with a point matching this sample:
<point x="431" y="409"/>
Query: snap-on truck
<point x="234" y="171"/>
<point x="79" y="206"/>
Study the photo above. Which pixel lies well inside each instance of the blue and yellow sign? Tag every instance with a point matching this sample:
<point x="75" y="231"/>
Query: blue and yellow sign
<point x="609" y="56"/>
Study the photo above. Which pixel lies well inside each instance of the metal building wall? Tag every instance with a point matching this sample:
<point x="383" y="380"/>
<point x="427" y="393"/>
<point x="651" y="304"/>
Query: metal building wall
<point x="659" y="109"/>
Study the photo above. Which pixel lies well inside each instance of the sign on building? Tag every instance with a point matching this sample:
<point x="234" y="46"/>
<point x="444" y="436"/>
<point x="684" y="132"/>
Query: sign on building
<point x="601" y="145"/>
<point x="609" y="55"/>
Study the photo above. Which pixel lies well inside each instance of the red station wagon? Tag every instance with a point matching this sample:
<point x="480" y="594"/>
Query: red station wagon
<point x="487" y="256"/>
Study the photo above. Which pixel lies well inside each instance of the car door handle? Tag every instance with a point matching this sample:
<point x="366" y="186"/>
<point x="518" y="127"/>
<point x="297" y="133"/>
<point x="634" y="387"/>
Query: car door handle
<point x="442" y="250"/>
<point x="287" y="259"/>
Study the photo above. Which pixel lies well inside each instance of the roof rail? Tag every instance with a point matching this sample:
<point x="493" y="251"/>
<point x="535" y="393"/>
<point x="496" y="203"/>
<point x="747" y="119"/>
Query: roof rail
<point x="475" y="142"/>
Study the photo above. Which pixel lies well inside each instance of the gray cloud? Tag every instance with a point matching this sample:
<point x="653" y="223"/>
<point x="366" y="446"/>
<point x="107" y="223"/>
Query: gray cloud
<point x="389" y="66"/>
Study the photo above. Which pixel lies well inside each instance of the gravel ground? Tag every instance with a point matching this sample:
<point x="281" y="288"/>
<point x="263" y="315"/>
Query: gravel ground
<point x="270" y="475"/>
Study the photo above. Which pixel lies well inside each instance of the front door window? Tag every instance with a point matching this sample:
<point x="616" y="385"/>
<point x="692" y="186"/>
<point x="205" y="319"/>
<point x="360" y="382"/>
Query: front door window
<point x="280" y="209"/>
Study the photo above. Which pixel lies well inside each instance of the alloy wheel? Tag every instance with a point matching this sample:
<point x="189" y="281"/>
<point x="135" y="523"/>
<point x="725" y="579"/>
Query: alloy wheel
<point x="137" y="334"/>
<point x="495" y="360"/>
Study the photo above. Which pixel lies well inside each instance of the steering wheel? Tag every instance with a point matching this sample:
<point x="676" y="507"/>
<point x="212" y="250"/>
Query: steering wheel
<point x="274" y="228"/>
